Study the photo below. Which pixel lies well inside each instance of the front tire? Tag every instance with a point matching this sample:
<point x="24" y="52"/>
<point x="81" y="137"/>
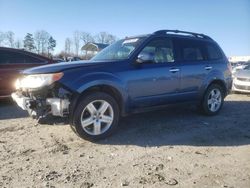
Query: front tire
<point x="96" y="116"/>
<point x="213" y="100"/>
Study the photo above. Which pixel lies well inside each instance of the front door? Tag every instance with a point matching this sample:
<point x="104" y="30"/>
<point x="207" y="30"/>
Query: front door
<point x="156" y="82"/>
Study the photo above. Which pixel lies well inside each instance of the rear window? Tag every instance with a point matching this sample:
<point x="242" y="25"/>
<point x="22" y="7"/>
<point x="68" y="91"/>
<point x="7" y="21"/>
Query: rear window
<point x="18" y="58"/>
<point x="213" y="52"/>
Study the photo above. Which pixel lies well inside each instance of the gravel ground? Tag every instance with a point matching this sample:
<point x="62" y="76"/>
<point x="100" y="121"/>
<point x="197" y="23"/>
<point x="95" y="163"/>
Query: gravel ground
<point x="176" y="147"/>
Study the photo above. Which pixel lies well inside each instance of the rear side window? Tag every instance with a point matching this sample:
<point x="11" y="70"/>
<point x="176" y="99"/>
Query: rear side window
<point x="18" y="58"/>
<point x="192" y="54"/>
<point x="190" y="50"/>
<point x="213" y="52"/>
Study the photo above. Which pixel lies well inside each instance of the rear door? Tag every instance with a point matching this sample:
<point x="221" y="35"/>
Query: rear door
<point x="11" y="63"/>
<point x="194" y="67"/>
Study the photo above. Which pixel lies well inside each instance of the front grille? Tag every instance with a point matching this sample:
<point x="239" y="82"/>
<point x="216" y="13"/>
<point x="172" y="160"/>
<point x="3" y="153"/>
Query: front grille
<point x="244" y="79"/>
<point x="242" y="87"/>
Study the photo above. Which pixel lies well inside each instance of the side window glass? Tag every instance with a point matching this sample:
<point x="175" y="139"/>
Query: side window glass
<point x="191" y="50"/>
<point x="161" y="50"/>
<point x="3" y="58"/>
<point x="192" y="54"/>
<point x="17" y="58"/>
<point x="213" y="52"/>
<point x="10" y="58"/>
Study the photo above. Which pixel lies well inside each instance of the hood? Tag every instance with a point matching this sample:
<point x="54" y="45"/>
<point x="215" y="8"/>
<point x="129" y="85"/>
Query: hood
<point x="243" y="73"/>
<point x="59" y="67"/>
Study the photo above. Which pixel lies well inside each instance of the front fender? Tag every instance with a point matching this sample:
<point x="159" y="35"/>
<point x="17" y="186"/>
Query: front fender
<point x="95" y="79"/>
<point x="101" y="79"/>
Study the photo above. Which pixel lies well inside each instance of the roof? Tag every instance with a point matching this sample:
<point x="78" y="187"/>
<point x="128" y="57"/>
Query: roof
<point x="175" y="33"/>
<point x="182" y="34"/>
<point x="93" y="46"/>
<point x="23" y="51"/>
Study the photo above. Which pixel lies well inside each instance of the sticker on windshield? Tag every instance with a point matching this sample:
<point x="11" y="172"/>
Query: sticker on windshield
<point x="130" y="41"/>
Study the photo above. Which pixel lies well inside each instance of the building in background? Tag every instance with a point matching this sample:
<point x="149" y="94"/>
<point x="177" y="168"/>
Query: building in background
<point x="91" y="48"/>
<point x="236" y="59"/>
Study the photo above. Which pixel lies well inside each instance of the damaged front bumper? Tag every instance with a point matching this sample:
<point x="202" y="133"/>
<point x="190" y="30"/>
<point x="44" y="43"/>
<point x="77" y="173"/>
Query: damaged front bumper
<point x="40" y="105"/>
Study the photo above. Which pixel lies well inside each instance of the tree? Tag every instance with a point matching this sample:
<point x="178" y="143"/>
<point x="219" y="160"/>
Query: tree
<point x="105" y="38"/>
<point x="41" y="41"/>
<point x="37" y="39"/>
<point x="67" y="46"/>
<point x="76" y="39"/>
<point x="51" y="44"/>
<point x="2" y="37"/>
<point x="18" y="44"/>
<point x="101" y="37"/>
<point x="111" y="39"/>
<point x="10" y="38"/>
<point x="86" y="37"/>
<point x="28" y="42"/>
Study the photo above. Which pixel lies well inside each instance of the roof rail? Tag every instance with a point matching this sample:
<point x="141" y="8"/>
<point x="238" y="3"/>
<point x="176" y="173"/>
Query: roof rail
<point x="198" y="35"/>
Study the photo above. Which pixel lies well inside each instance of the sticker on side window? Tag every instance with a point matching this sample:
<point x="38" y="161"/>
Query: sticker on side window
<point x="130" y="41"/>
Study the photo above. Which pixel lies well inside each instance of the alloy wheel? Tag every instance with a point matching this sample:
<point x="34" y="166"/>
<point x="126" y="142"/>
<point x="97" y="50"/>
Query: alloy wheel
<point x="97" y="117"/>
<point x="214" y="100"/>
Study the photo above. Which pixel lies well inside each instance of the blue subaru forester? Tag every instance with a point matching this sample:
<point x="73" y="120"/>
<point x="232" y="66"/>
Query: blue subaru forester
<point x="132" y="75"/>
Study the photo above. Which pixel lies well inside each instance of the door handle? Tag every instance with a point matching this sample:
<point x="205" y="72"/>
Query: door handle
<point x="208" y="67"/>
<point x="174" y="70"/>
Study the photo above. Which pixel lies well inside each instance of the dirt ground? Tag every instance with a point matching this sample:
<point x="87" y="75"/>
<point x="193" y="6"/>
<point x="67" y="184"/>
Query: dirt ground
<point x="176" y="147"/>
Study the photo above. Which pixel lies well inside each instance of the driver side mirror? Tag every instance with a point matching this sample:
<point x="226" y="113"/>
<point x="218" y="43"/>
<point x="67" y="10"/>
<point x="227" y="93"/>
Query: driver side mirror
<point x="145" y="57"/>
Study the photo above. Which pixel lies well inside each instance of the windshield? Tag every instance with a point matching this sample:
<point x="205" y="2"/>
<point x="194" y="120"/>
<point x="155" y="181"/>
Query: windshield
<point x="120" y="50"/>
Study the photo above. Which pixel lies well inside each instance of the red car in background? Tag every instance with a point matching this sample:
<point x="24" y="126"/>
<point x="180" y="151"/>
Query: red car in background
<point x="12" y="61"/>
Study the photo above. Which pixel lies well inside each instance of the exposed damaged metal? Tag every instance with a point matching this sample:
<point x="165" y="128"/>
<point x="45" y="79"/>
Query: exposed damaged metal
<point x="42" y="102"/>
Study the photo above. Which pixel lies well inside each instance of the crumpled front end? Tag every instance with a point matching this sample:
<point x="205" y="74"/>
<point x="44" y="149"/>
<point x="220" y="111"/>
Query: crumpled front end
<point x="51" y="99"/>
<point x="43" y="102"/>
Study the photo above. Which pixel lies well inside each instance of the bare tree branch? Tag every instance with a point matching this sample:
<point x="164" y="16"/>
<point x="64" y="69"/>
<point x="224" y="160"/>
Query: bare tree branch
<point x="10" y="38"/>
<point x="76" y="39"/>
<point x="68" y="43"/>
<point x="18" y="44"/>
<point x="86" y="37"/>
<point x="41" y="41"/>
<point x="105" y="38"/>
<point x="2" y="38"/>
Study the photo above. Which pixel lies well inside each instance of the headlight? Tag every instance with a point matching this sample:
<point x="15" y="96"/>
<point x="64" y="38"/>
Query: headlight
<point x="37" y="80"/>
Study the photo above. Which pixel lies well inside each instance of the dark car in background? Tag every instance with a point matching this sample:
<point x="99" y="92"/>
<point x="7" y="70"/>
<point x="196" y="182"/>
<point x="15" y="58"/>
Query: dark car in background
<point x="58" y="60"/>
<point x="132" y="75"/>
<point x="12" y="61"/>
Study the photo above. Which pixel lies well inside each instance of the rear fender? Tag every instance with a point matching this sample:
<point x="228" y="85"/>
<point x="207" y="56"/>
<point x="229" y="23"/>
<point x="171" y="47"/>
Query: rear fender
<point x="212" y="77"/>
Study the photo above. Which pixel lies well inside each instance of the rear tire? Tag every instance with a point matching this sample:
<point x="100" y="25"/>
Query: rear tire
<point x="96" y="116"/>
<point x="213" y="100"/>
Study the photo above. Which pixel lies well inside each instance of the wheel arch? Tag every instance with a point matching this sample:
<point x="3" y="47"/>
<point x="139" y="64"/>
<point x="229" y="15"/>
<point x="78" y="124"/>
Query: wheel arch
<point x="220" y="83"/>
<point x="203" y="105"/>
<point x="113" y="91"/>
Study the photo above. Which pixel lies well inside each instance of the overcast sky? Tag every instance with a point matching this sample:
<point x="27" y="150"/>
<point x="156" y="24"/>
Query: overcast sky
<point x="226" y="21"/>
